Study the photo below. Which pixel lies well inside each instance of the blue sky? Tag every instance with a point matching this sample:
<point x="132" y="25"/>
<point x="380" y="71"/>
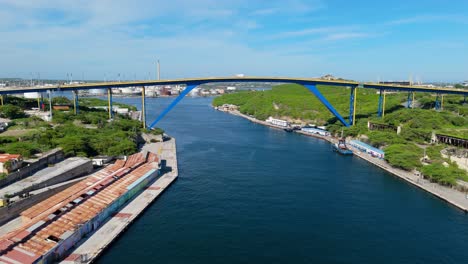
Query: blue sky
<point x="360" y="40"/>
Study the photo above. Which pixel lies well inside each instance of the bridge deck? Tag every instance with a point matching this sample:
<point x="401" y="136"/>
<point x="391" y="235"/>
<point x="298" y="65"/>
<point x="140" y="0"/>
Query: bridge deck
<point x="187" y="81"/>
<point x="198" y="81"/>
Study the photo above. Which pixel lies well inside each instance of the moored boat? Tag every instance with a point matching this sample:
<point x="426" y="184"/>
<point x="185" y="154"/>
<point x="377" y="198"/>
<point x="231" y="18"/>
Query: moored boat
<point x="341" y="147"/>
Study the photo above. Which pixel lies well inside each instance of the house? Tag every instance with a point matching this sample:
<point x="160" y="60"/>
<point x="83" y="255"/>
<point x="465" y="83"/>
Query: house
<point x="10" y="162"/>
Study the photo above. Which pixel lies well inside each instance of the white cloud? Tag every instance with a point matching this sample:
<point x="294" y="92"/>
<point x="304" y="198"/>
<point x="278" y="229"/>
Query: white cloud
<point x="429" y="18"/>
<point x="310" y="31"/>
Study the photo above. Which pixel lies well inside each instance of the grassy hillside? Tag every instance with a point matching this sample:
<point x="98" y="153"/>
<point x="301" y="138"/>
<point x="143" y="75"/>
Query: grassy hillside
<point x="295" y="101"/>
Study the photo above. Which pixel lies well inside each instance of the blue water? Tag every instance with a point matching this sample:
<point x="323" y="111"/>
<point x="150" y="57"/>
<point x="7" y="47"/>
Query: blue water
<point x="251" y="194"/>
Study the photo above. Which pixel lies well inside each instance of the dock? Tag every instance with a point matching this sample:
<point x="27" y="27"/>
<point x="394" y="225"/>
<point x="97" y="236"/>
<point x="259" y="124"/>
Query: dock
<point x="91" y="248"/>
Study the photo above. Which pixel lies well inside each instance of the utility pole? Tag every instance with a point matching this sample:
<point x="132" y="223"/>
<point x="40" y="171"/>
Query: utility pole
<point x="159" y="70"/>
<point x="50" y="103"/>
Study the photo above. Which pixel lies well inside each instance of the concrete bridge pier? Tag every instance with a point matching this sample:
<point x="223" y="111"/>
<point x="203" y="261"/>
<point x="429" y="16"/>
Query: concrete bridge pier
<point x="383" y="105"/>
<point x="109" y="102"/>
<point x="379" y="110"/>
<point x="50" y="103"/>
<point x="437" y="105"/>
<point x="352" y="106"/>
<point x="409" y="103"/>
<point x="143" y="106"/>
<point x="76" y="107"/>
<point x="1" y="99"/>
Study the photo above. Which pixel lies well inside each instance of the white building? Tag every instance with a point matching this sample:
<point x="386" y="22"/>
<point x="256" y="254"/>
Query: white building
<point x="277" y="122"/>
<point x="32" y="95"/>
<point x="100" y="161"/>
<point x="316" y="131"/>
<point x="195" y="92"/>
<point x="374" y="152"/>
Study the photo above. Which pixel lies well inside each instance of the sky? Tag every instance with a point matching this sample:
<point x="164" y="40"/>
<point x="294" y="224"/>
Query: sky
<point x="359" y="40"/>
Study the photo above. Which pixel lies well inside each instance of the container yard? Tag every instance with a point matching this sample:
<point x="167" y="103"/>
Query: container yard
<point x="52" y="228"/>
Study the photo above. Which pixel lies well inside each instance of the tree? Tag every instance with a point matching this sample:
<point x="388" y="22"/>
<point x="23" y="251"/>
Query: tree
<point x="11" y="111"/>
<point x="61" y="100"/>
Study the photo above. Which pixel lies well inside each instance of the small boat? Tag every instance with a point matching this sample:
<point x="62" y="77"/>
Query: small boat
<point x="288" y="129"/>
<point x="341" y="147"/>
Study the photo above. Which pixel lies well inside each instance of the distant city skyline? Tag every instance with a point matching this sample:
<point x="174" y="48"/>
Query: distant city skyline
<point x="359" y="40"/>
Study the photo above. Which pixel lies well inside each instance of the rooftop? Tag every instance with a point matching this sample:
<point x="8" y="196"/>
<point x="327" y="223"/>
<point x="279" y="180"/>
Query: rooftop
<point x="364" y="145"/>
<point x="6" y="157"/>
<point x="58" y="217"/>
<point x="43" y="176"/>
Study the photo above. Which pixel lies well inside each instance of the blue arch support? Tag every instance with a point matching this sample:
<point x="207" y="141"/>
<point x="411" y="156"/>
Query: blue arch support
<point x="409" y="101"/>
<point x="437" y="102"/>
<point x="173" y="104"/>
<point x="324" y="101"/>
<point x="311" y="87"/>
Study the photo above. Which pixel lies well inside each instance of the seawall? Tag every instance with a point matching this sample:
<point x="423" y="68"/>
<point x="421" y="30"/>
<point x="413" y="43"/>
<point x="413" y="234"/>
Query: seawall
<point x="450" y="195"/>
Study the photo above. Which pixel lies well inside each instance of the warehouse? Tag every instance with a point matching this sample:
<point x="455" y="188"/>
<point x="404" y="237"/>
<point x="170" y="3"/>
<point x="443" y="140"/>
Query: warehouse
<point x="375" y="152"/>
<point x="51" y="228"/>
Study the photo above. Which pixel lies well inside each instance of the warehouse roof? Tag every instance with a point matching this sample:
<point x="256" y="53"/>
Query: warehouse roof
<point x="366" y="146"/>
<point x="58" y="217"/>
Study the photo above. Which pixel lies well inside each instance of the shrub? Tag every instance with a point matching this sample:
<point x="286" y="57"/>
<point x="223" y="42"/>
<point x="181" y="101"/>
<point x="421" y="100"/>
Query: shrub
<point x="11" y="111"/>
<point x="404" y="156"/>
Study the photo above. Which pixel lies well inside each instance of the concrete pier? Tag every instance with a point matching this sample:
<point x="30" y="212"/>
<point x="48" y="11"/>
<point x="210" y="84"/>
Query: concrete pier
<point x="88" y="250"/>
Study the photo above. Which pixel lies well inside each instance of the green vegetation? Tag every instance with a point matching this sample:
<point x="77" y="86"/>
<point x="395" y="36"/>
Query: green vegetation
<point x="88" y="134"/>
<point x="11" y="111"/>
<point x="449" y="175"/>
<point x="61" y="100"/>
<point x="295" y="101"/>
<point x="404" y="150"/>
<point x="90" y="102"/>
<point x="404" y="156"/>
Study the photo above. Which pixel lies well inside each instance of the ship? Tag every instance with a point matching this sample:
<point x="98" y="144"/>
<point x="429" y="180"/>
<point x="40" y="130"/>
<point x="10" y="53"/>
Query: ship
<point x="341" y="147"/>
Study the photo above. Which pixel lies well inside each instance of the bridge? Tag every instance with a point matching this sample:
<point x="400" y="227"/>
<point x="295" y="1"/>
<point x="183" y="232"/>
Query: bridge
<point x="191" y="83"/>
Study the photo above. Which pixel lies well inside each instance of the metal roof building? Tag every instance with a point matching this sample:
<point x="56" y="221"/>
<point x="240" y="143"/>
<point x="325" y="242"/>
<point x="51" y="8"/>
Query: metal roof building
<point x="367" y="148"/>
<point x="51" y="228"/>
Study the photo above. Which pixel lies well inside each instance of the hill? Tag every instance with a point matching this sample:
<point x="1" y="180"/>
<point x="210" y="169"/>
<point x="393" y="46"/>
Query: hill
<point x="404" y="150"/>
